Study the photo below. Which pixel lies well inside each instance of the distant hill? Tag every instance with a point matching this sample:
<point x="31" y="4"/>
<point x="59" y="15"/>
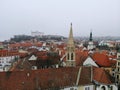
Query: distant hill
<point x="19" y="38"/>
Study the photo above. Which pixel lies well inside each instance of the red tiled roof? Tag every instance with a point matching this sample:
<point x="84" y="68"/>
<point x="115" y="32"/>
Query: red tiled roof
<point x="101" y="59"/>
<point x="100" y="75"/>
<point x="32" y="50"/>
<point x="105" y="52"/>
<point x="42" y="55"/>
<point x="112" y="56"/>
<point x="38" y="44"/>
<point x="23" y="55"/>
<point x="14" y="45"/>
<point x="81" y="57"/>
<point x="44" y="79"/>
<point x="4" y="53"/>
<point x="61" y="46"/>
<point x="85" y="77"/>
<point x="50" y="78"/>
<point x="26" y="44"/>
<point x="113" y="62"/>
<point x="17" y="45"/>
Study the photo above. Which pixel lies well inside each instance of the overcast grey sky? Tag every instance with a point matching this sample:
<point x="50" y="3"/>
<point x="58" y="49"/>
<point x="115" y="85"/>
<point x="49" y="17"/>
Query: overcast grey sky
<point x="55" y="16"/>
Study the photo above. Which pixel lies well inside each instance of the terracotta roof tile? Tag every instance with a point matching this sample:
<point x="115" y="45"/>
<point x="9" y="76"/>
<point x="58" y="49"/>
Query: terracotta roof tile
<point x="81" y="57"/>
<point x="4" y="53"/>
<point x="50" y="78"/>
<point x="101" y="59"/>
<point x="101" y="76"/>
<point x="31" y="80"/>
<point x="85" y="77"/>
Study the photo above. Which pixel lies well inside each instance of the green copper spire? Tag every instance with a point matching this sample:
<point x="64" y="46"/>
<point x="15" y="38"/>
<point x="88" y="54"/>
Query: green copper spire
<point x="90" y="39"/>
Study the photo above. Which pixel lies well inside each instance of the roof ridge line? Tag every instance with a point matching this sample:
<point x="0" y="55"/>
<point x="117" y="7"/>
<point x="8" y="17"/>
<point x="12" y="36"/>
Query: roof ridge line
<point x="78" y="76"/>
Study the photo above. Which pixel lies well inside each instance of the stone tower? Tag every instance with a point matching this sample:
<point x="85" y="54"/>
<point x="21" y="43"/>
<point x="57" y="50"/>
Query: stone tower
<point x="70" y="53"/>
<point x="91" y="45"/>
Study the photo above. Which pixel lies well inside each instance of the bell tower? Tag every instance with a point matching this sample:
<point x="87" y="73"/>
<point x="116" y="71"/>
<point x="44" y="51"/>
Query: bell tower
<point x="70" y="53"/>
<point x="91" y="45"/>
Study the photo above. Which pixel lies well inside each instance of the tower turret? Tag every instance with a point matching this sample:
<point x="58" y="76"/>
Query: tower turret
<point x="90" y="39"/>
<point x="91" y="45"/>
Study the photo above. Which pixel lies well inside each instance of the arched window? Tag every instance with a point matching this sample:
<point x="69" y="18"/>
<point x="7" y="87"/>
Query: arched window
<point x="111" y="88"/>
<point x="103" y="88"/>
<point x="71" y="56"/>
<point x="68" y="56"/>
<point x="117" y="76"/>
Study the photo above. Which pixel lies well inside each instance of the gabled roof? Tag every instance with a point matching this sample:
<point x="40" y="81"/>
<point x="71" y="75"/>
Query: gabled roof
<point x="33" y="57"/>
<point x="90" y="61"/>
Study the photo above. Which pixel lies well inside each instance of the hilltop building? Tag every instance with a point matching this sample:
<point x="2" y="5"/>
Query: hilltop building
<point x="37" y="33"/>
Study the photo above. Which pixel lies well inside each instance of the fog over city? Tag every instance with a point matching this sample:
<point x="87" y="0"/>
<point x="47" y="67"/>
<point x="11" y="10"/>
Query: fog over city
<point x="54" y="17"/>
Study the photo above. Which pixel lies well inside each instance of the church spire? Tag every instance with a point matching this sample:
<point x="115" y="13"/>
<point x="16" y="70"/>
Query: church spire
<point x="70" y="53"/>
<point x="70" y="39"/>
